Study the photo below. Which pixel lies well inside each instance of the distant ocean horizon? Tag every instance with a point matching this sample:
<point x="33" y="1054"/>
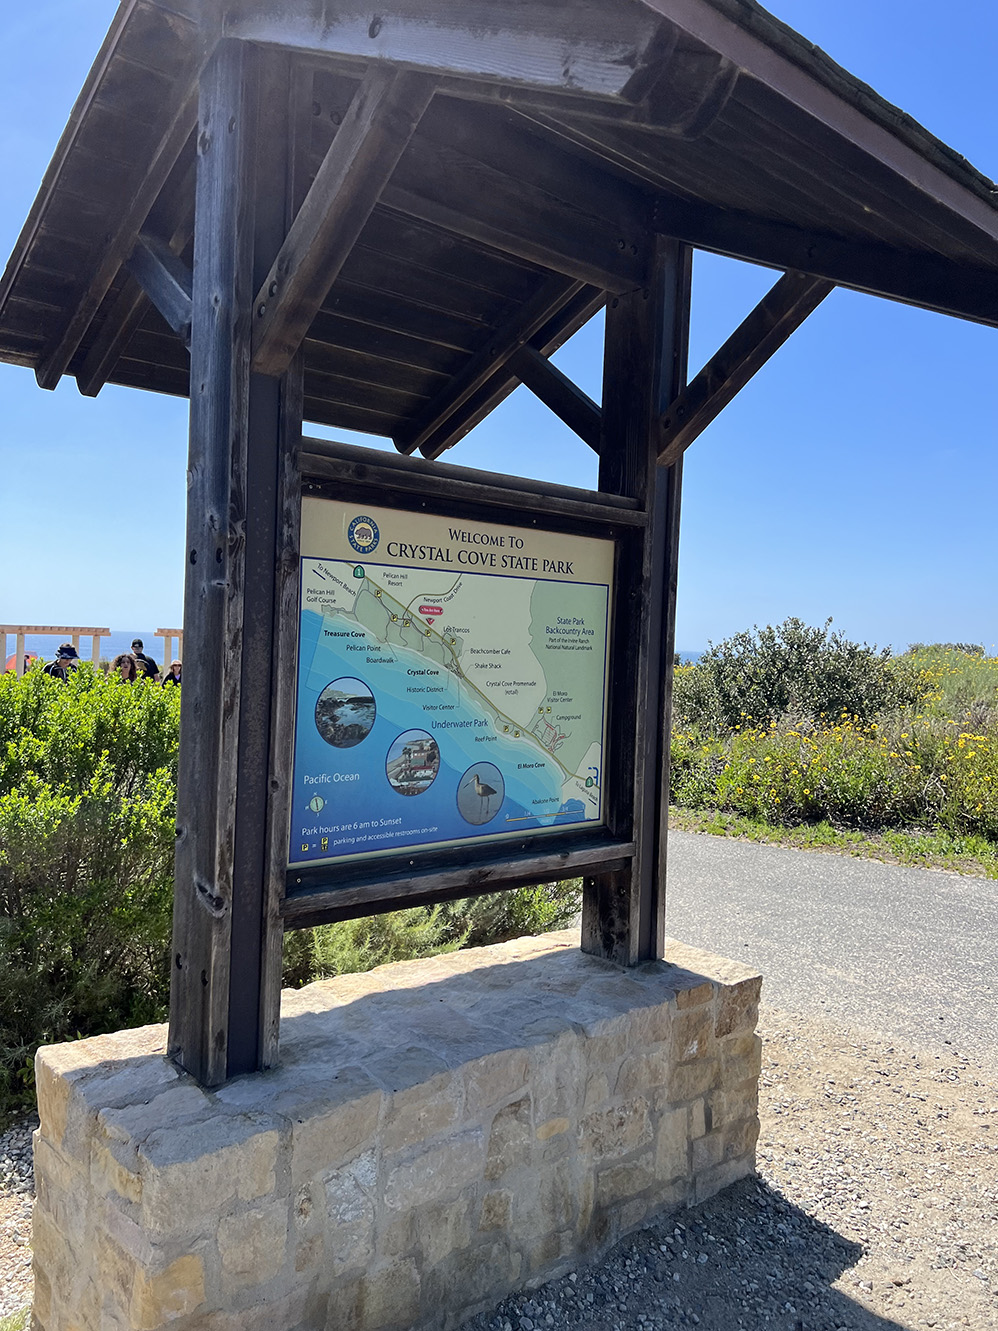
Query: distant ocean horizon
<point x="120" y="640"/>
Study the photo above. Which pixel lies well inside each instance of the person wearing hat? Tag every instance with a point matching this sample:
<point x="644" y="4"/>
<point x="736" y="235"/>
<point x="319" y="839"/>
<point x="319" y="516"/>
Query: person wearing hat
<point x="145" y="665"/>
<point x="172" y="676"/>
<point x="66" y="659"/>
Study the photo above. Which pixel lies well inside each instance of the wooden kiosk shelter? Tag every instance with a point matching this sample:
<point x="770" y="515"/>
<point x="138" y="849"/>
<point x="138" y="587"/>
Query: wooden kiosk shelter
<point x="385" y="219"/>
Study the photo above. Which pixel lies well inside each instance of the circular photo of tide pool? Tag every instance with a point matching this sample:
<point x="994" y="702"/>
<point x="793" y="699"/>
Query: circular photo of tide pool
<point x="480" y="793"/>
<point x="345" y="712"/>
<point x="413" y="762"/>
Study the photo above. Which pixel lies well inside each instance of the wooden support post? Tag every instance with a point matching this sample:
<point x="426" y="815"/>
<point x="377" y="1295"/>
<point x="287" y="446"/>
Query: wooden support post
<point x="95" y="650"/>
<point x="19" y="654"/>
<point x="240" y="425"/>
<point x="623" y="914"/>
<point x="3" y="638"/>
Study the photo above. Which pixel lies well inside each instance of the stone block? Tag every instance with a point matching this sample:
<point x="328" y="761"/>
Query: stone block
<point x="494" y="1078"/>
<point x="510" y="1138"/>
<point x="731" y="1104"/>
<point x="548" y="1203"/>
<point x="738" y="1006"/>
<point x="483" y="1273"/>
<point x="688" y="1081"/>
<point x="707" y="1151"/>
<point x="554" y="1127"/>
<point x="496" y="1208"/>
<point x="336" y="1132"/>
<point x="163" y="1296"/>
<point x="252" y="1245"/>
<point x="672" y="1144"/>
<point x="712" y="1181"/>
<point x="444" y="1228"/>
<point x="619" y="1183"/>
<point x="615" y="1131"/>
<point x="388" y="1297"/>
<point x="436" y="1171"/>
<point x="351" y="1206"/>
<point x="190" y="1174"/>
<point x="597" y="1092"/>
<point x="693" y="1034"/>
<point x="643" y="1072"/>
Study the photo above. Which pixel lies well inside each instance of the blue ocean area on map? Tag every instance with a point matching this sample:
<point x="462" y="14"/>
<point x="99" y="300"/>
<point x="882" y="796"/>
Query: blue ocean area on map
<point x="343" y="801"/>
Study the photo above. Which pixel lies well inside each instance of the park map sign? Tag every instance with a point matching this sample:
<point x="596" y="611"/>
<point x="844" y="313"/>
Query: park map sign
<point x="452" y="681"/>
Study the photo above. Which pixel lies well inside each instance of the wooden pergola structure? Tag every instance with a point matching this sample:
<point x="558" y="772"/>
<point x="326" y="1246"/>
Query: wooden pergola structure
<point x="385" y="220"/>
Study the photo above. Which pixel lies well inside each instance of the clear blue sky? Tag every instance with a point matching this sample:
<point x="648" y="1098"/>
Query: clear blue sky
<point x="855" y="477"/>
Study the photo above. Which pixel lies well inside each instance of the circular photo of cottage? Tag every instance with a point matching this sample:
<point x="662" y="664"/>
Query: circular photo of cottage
<point x="345" y="712"/>
<point x="480" y="793"/>
<point x="413" y="762"/>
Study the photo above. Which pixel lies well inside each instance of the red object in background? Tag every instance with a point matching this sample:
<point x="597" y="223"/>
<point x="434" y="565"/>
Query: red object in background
<point x="28" y="658"/>
<point x="431" y="610"/>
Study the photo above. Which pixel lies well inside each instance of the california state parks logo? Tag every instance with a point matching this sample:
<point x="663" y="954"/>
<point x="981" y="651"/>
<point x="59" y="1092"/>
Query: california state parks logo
<point x="363" y="535"/>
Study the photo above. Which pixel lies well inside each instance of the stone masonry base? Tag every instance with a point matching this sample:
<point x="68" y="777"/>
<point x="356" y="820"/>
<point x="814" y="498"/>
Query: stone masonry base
<point x="439" y="1133"/>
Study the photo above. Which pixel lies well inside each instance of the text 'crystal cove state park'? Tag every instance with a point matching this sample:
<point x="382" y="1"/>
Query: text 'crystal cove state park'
<point x="452" y="681"/>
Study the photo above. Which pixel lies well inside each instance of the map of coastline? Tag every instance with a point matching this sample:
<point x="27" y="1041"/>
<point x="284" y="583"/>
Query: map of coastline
<point x="506" y="674"/>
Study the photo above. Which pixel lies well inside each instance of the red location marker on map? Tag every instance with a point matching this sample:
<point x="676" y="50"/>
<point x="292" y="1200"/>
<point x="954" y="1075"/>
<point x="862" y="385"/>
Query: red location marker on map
<point x="431" y="610"/>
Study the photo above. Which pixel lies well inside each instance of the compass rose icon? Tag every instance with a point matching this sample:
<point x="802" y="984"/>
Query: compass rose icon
<point x="317" y="804"/>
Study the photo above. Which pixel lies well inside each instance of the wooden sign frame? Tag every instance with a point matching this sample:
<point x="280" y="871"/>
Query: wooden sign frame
<point x="328" y="892"/>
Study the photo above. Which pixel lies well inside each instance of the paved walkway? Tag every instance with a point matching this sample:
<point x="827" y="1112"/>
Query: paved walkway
<point x="910" y="953"/>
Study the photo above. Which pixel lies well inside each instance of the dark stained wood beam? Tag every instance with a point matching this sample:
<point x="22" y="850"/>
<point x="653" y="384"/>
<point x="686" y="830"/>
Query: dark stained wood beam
<point x="546" y="211"/>
<point x="120" y="244"/>
<point x="166" y="280"/>
<point x="173" y="217"/>
<point x="504" y="343"/>
<point x="922" y="279"/>
<point x="579" y="412"/>
<point x="562" y="325"/>
<point x="374" y="133"/>
<point x="779" y="61"/>
<point x="754" y="341"/>
<point x="548" y="44"/>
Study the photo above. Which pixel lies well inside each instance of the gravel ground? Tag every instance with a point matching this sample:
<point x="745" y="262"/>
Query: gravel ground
<point x="875" y="1207"/>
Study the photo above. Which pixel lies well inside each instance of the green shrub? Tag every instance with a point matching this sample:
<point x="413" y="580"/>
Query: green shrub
<point x="87" y="812"/>
<point x="424" y="931"/>
<point x="790" y="671"/>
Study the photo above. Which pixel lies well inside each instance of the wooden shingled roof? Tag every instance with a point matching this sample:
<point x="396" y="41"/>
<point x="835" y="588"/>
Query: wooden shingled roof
<point x="560" y="132"/>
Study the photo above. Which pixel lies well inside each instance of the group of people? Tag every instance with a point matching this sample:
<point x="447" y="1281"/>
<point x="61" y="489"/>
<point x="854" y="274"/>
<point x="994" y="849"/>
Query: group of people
<point x="130" y="666"/>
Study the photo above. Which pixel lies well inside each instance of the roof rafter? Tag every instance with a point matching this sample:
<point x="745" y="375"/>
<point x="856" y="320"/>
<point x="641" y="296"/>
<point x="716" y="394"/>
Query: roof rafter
<point x="522" y="325"/>
<point x="378" y="125"/>
<point x="564" y="322"/>
<point x="549" y="44"/>
<point x="926" y="280"/>
<point x="119" y="245"/>
<point x="758" y="337"/>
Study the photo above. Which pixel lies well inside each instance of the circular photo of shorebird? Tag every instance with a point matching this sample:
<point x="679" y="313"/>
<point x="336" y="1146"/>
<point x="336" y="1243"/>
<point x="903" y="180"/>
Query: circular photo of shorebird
<point x="345" y="712"/>
<point x="480" y="793"/>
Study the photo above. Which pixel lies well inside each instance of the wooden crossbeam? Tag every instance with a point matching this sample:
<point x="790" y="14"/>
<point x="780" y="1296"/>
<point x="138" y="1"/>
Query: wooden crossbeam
<point x="377" y="127"/>
<point x="120" y="244"/>
<point x="562" y="325"/>
<point x="166" y="280"/>
<point x="579" y="412"/>
<point x="539" y="206"/>
<point x="783" y="309"/>
<point x="504" y="343"/>
<point x="919" y="279"/>
<point x="174" y="219"/>
<point x="565" y="44"/>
